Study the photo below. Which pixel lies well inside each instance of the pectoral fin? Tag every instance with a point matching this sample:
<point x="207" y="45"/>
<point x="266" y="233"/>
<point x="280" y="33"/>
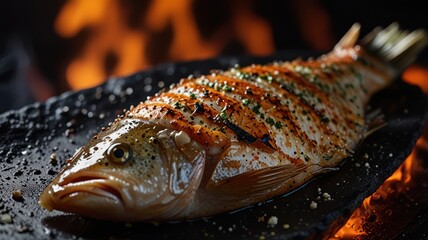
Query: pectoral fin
<point x="259" y="182"/>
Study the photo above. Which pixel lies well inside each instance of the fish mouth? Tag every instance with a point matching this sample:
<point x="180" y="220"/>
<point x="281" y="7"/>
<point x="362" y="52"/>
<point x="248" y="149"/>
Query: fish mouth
<point x="90" y="185"/>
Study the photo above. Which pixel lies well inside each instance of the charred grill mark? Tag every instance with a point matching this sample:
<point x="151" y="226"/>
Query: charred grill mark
<point x="183" y="103"/>
<point x="237" y="116"/>
<point x="297" y="79"/>
<point x="269" y="102"/>
<point x="241" y="133"/>
<point x="158" y="110"/>
<point x="188" y="108"/>
<point x="252" y="107"/>
<point x="250" y="139"/>
<point x="282" y="112"/>
<point x="283" y="74"/>
<point x="205" y="136"/>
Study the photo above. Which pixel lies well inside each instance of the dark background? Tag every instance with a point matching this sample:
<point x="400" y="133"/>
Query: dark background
<point x="33" y="57"/>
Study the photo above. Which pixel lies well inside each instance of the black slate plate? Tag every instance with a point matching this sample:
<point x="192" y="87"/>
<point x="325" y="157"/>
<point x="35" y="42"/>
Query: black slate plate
<point x="30" y="135"/>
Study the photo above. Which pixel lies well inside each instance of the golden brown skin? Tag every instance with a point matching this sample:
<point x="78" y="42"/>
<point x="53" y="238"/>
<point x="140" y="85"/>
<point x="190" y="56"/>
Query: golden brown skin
<point x="224" y="140"/>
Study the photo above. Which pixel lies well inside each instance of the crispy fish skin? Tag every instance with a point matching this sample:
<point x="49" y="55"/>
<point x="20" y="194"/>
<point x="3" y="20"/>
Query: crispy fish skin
<point x="221" y="141"/>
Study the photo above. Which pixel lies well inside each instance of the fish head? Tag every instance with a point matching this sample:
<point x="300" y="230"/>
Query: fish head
<point x="134" y="170"/>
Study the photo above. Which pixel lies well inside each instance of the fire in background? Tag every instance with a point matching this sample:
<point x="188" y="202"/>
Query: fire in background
<point x="74" y="44"/>
<point x="122" y="38"/>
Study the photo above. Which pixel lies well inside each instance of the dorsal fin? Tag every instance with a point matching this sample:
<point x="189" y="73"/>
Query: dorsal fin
<point x="350" y="38"/>
<point x="395" y="46"/>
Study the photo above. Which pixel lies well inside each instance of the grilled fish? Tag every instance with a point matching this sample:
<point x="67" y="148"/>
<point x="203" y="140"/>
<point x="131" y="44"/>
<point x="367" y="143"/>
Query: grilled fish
<point x="232" y="138"/>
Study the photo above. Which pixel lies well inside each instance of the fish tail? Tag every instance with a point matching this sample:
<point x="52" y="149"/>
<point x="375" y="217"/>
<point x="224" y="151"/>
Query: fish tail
<point x="395" y="46"/>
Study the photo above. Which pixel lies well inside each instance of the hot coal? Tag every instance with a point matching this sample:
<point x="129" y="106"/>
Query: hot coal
<point x="35" y="142"/>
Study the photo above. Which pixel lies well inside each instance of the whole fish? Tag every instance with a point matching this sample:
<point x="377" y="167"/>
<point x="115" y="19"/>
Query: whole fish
<point x="232" y="138"/>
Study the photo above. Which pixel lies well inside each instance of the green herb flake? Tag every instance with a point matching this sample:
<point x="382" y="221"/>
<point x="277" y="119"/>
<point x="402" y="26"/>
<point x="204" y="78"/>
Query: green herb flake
<point x="256" y="108"/>
<point x="223" y="115"/>
<point x="246" y="101"/>
<point x="227" y="88"/>
<point x="177" y="105"/>
<point x="270" y="121"/>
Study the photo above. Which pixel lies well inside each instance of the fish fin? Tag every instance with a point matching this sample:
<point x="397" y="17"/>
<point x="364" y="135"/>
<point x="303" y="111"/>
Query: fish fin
<point x="395" y="46"/>
<point x="350" y="38"/>
<point x="260" y="182"/>
<point x="210" y="166"/>
<point x="375" y="120"/>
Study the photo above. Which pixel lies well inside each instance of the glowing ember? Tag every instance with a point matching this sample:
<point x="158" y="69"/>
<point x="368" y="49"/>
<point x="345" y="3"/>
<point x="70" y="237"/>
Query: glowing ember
<point x="381" y="216"/>
<point x="368" y="211"/>
<point x="417" y="75"/>
<point x="380" y="209"/>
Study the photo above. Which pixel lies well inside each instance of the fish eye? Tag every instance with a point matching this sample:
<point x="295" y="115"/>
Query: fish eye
<point x="119" y="153"/>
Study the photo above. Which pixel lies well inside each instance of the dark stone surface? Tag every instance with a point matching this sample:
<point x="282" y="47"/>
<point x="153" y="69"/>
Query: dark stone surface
<point x="30" y="135"/>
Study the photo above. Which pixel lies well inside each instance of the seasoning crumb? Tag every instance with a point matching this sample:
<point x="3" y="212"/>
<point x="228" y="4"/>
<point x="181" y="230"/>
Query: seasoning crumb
<point x="366" y="156"/>
<point x="367" y="165"/>
<point x="313" y="205"/>
<point x="17" y="195"/>
<point x="5" y="218"/>
<point x="326" y="196"/>
<point x="262" y="237"/>
<point x="273" y="220"/>
<point x="54" y="158"/>
<point x="23" y="229"/>
<point x="286" y="226"/>
<point x="357" y="164"/>
<point x="391" y="155"/>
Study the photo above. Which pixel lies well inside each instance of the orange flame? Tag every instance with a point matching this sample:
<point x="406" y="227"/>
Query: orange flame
<point x="400" y="181"/>
<point x="109" y="33"/>
<point x="417" y="75"/>
<point x="354" y="227"/>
